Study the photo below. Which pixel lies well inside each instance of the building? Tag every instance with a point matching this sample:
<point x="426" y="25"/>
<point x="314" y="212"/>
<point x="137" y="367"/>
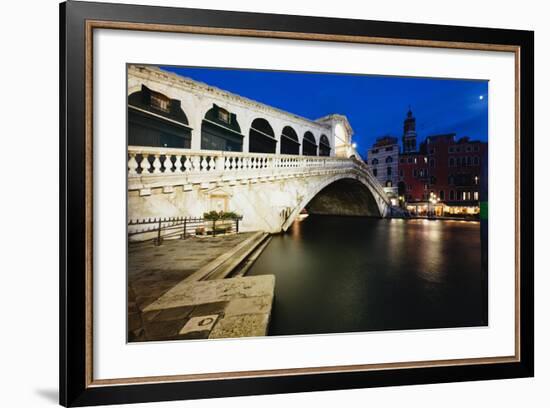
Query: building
<point x="383" y="158"/>
<point x="409" y="133"/>
<point x="443" y="177"/>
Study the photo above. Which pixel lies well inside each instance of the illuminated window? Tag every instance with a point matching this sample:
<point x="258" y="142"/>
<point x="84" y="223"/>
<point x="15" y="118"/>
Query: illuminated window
<point x="476" y="180"/>
<point x="224" y="116"/>
<point x="160" y="102"/>
<point x="388" y="183"/>
<point x="476" y="195"/>
<point x="425" y="160"/>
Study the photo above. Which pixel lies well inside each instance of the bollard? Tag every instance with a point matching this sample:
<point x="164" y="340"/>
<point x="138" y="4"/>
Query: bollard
<point x="159" y="231"/>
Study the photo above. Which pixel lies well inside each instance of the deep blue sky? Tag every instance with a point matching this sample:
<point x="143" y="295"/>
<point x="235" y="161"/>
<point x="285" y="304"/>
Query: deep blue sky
<point x="374" y="105"/>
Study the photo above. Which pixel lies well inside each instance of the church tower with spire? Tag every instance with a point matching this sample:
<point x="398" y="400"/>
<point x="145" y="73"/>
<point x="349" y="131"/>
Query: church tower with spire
<point x="409" y="133"/>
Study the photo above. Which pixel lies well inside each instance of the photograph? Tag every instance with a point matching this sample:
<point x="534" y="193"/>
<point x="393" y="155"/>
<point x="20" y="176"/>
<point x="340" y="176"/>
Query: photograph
<point x="285" y="203"/>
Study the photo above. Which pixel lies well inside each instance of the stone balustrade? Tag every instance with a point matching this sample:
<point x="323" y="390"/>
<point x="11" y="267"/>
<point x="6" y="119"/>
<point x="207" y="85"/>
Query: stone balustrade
<point x="150" y="167"/>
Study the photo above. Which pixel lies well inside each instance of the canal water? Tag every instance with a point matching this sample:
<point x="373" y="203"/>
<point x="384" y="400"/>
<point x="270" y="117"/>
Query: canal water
<point x="346" y="274"/>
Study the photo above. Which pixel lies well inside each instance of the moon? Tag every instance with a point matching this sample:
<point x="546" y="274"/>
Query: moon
<point x="481" y="97"/>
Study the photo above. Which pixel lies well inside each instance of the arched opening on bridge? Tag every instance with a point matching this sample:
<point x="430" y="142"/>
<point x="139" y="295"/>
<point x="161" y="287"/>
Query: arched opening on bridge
<point x="156" y="120"/>
<point x="220" y="130"/>
<point x="289" y="141"/>
<point x="309" y="146"/>
<point x="261" y="137"/>
<point x="348" y="197"/>
<point x="324" y="146"/>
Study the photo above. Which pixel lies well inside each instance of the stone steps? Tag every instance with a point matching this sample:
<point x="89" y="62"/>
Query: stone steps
<point x="225" y="263"/>
<point x="237" y="258"/>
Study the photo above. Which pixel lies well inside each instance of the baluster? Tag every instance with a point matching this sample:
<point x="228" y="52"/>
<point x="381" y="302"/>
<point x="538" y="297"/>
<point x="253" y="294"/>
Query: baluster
<point x="187" y="165"/>
<point x="239" y="163"/>
<point x="144" y="165"/>
<point x="168" y="163"/>
<point x="156" y="164"/>
<point x="220" y="163"/>
<point x="227" y="163"/>
<point x="212" y="163"/>
<point x="196" y="163"/>
<point x="132" y="164"/>
<point x="177" y="164"/>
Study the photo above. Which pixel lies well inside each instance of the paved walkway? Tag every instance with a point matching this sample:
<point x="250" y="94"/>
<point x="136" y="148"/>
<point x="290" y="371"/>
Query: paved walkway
<point x="217" y="308"/>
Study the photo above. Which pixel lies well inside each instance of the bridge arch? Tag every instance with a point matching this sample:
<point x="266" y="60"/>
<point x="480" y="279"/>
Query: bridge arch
<point x="309" y="145"/>
<point x="289" y="141"/>
<point x="155" y="119"/>
<point x="220" y="130"/>
<point x="261" y="137"/>
<point x="340" y="195"/>
<point x="324" y="146"/>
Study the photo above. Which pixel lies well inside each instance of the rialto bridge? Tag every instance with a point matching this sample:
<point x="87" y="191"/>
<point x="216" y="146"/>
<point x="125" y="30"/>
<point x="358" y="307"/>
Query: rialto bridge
<point x="194" y="148"/>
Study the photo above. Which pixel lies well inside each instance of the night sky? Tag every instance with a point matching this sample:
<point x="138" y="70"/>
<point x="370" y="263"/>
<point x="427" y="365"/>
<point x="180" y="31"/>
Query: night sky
<point x="374" y="105"/>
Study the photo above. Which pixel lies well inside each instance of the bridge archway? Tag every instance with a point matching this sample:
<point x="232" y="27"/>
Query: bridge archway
<point x="289" y="141"/>
<point x="157" y="120"/>
<point x="261" y="137"/>
<point x="324" y="146"/>
<point x="309" y="145"/>
<point x="220" y="130"/>
<point x="339" y="195"/>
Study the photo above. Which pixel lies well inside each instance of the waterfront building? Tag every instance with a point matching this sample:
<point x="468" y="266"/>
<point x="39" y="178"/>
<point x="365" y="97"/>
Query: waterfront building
<point x="443" y="177"/>
<point x="383" y="159"/>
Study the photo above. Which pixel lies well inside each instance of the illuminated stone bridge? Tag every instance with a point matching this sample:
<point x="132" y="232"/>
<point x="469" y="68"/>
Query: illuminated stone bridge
<point x="194" y="148"/>
<point x="269" y="191"/>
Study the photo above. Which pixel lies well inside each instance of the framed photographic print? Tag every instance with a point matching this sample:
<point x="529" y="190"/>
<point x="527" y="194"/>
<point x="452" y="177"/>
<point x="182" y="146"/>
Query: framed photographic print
<point x="255" y="203"/>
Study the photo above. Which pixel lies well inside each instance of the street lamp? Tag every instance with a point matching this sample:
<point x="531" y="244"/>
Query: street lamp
<point x="433" y="200"/>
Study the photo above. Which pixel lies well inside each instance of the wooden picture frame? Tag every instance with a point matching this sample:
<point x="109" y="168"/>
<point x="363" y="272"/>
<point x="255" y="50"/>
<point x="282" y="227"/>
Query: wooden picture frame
<point x="78" y="20"/>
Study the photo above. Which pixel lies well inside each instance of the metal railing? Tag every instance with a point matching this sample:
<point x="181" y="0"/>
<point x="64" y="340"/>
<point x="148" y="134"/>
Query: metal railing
<point x="159" y="229"/>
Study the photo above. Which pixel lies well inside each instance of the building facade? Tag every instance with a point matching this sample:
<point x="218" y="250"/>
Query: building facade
<point x="440" y="176"/>
<point x="383" y="159"/>
<point x="443" y="176"/>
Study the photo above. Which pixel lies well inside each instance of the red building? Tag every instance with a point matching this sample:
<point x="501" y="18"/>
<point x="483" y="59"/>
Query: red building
<point x="442" y="177"/>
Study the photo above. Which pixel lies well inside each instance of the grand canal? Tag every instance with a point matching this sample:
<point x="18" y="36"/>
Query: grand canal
<point x="345" y="274"/>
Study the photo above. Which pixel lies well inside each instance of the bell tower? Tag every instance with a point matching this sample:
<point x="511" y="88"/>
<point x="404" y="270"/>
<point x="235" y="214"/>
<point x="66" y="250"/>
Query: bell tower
<point x="409" y="133"/>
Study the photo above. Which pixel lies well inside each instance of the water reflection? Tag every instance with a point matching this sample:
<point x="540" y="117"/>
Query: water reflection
<point x="340" y="274"/>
